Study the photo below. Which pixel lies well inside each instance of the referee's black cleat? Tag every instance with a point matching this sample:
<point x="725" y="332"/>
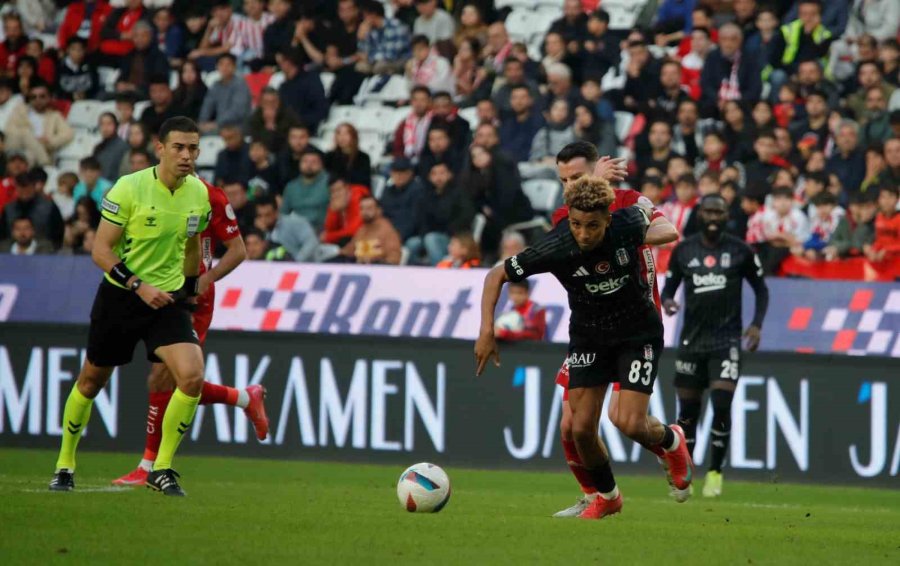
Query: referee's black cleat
<point x="165" y="481"/>
<point x="63" y="480"/>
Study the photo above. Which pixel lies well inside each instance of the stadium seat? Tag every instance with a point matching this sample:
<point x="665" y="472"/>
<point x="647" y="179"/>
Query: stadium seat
<point x="478" y="224"/>
<point x="375" y="89"/>
<point x="523" y="25"/>
<point x="623" y="14"/>
<point x="372" y="143"/>
<point x="83" y="114"/>
<point x="81" y="146"/>
<point x="527" y="4"/>
<point x="378" y="185"/>
<point x="543" y="193"/>
<point x="276" y="79"/>
<point x="327" y="80"/>
<point x="373" y="119"/>
<point x="108" y="77"/>
<point x="210" y="78"/>
<point x="210" y="146"/>
<point x="404" y="255"/>
<point x="139" y="108"/>
<point x="623" y="124"/>
<point x="52" y="178"/>
<point x="470" y="115"/>
<point x="324" y="252"/>
<point x="67" y="165"/>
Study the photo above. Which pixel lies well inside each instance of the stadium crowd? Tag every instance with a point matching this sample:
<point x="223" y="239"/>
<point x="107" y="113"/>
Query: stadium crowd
<point x="424" y="131"/>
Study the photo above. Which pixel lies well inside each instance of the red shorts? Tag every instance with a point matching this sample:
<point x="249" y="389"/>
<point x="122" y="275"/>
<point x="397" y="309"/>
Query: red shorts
<point x="203" y="315"/>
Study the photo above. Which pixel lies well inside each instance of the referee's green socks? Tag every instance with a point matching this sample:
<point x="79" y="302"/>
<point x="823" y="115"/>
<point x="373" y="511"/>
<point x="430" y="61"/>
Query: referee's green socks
<point x="75" y="418"/>
<point x="178" y="419"/>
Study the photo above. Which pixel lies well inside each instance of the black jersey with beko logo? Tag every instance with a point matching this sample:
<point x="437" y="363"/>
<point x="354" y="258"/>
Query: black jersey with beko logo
<point x="609" y="300"/>
<point x="713" y="281"/>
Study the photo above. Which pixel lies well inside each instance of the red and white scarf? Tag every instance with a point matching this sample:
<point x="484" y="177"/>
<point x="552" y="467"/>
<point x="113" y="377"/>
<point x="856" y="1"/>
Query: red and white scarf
<point x="414" y="132"/>
<point x="730" y="89"/>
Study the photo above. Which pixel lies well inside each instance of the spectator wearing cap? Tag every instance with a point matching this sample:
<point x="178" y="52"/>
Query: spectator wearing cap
<point x="384" y="43"/>
<point x="116" y="36"/>
<point x="142" y="62"/>
<point x="308" y="194"/>
<point x="816" y="121"/>
<point x="376" y="240"/>
<point x="433" y="22"/>
<point x="854" y="230"/>
<point x="342" y="219"/>
<point x="23" y="241"/>
<point x="848" y="161"/>
<point x="228" y="100"/>
<point x="876" y="120"/>
<point x="729" y="73"/>
<point x="45" y="217"/>
<point x="402" y="196"/>
<point x="412" y="133"/>
<point x="803" y="39"/>
<point x="77" y="77"/>
<point x="427" y="68"/>
<point x="12" y="48"/>
<point x="302" y="91"/>
<point x="162" y="104"/>
<point x="519" y="127"/>
<point x="84" y="19"/>
<point x="869" y="75"/>
<point x="38" y="129"/>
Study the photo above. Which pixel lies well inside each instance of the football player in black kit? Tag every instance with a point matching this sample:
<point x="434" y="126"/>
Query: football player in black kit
<point x="712" y="265"/>
<point x="614" y="330"/>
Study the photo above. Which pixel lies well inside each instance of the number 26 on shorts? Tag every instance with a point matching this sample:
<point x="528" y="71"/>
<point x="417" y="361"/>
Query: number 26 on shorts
<point x="729" y="370"/>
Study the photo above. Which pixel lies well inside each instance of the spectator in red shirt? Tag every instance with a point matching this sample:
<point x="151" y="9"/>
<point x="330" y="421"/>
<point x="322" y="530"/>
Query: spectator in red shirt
<point x="46" y="65"/>
<point x="84" y="19"/>
<point x="887" y="227"/>
<point x="526" y="321"/>
<point x="343" y="218"/>
<point x="116" y="39"/>
<point x="13" y="46"/>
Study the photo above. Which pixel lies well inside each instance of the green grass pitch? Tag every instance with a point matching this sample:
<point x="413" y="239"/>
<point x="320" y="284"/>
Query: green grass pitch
<point x="266" y="512"/>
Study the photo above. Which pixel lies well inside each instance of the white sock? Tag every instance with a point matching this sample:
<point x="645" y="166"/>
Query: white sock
<point x="146" y="465"/>
<point x="243" y="399"/>
<point x="675" y="442"/>
<point x="591" y="496"/>
<point x="612" y="494"/>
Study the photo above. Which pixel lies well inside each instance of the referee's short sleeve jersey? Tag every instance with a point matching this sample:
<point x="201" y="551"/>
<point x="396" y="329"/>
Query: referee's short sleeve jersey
<point x="157" y="223"/>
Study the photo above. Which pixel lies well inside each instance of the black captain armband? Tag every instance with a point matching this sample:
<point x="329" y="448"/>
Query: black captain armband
<point x="121" y="274"/>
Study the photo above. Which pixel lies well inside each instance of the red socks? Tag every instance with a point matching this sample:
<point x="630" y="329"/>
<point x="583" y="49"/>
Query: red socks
<point x="155" y="412"/>
<point x="218" y="394"/>
<point x="578" y="470"/>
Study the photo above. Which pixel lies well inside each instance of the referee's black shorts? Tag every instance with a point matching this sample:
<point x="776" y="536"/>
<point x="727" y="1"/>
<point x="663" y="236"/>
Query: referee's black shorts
<point x="120" y="319"/>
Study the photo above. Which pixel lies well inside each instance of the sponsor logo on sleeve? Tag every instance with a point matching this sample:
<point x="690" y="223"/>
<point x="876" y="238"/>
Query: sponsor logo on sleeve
<point x="229" y="212"/>
<point x="193" y="223"/>
<point x="514" y="262"/>
<point x="109" y="206"/>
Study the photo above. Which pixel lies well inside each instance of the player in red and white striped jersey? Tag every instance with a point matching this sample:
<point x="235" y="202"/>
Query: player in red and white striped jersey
<point x="575" y="161"/>
<point x="222" y="228"/>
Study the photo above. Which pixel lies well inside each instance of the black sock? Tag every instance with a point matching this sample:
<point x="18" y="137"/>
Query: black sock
<point x="668" y="438"/>
<point x="602" y="477"/>
<point x="721" y="427"/>
<point x="688" y="415"/>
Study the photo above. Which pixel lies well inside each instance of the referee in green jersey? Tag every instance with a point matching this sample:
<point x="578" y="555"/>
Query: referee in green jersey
<point x="148" y="244"/>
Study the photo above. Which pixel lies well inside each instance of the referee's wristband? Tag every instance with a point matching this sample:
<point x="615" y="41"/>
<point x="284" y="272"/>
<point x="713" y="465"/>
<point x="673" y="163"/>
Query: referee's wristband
<point x="191" y="284"/>
<point x="121" y="274"/>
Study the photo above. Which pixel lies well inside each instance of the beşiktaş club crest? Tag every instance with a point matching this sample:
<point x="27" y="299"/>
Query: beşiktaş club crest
<point x="622" y="257"/>
<point x="734" y="354"/>
<point x="602" y="267"/>
<point x="725" y="260"/>
<point x="648" y="352"/>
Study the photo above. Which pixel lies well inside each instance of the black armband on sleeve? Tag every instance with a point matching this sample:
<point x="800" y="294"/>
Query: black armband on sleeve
<point x="190" y="285"/>
<point x="121" y="274"/>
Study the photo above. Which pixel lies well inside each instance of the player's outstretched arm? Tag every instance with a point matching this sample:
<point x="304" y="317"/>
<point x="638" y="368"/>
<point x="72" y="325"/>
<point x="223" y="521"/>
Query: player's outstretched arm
<point x="661" y="232"/>
<point x="486" y="345"/>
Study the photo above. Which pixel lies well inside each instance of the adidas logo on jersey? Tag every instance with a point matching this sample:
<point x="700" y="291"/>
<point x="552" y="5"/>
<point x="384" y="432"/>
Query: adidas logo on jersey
<point x="709" y="282"/>
<point x="581" y="272"/>
<point x="607" y="287"/>
<point x="694" y="263"/>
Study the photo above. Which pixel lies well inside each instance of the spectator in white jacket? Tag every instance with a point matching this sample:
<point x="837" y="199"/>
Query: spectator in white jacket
<point x="427" y="68"/>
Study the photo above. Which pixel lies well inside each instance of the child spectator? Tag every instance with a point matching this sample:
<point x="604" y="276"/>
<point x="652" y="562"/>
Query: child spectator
<point x="753" y="206"/>
<point x="813" y="185"/>
<point x="462" y="253"/>
<point x="526" y="320"/>
<point x="855" y="230"/>
<point x="62" y="196"/>
<point x="679" y="211"/>
<point x="887" y="227"/>
<point x="652" y="188"/>
<point x="709" y="183"/>
<point x="823" y="221"/>
<point x="92" y="183"/>
<point x="785" y="229"/>
<point x="77" y="78"/>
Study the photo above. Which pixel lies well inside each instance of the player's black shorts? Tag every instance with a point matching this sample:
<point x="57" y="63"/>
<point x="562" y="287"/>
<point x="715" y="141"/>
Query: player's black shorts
<point x="120" y="319"/>
<point x="633" y="364"/>
<point x="698" y="371"/>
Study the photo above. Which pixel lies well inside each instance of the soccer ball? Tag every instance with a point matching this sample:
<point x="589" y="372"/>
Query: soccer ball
<point x="423" y="488"/>
<point x="511" y="321"/>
